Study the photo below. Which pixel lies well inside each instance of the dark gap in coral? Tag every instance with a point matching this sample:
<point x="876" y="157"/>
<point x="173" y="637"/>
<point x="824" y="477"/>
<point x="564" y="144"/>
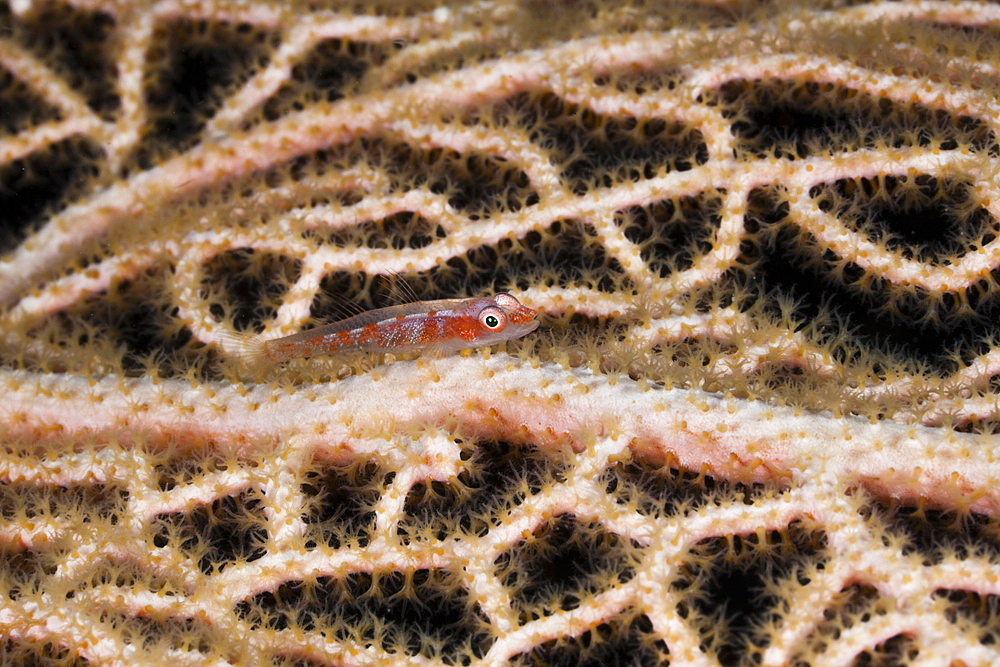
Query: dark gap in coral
<point x="181" y="464"/>
<point x="661" y="489"/>
<point x="476" y="501"/>
<point x="582" y="326"/>
<point x="387" y="74"/>
<point x="43" y="183"/>
<point x="133" y="320"/>
<point x="305" y="180"/>
<point x="118" y="572"/>
<point x="564" y="562"/>
<point x="736" y="288"/>
<point x="400" y="231"/>
<point x="642" y="82"/>
<point x="920" y="218"/>
<point x="482" y="185"/>
<point x="596" y="151"/>
<point x="797" y="386"/>
<point x="340" y="504"/>
<point x="476" y="184"/>
<point x="34" y="653"/>
<point x="342" y="294"/>
<point x="21" y="107"/>
<point x="621" y="642"/>
<point x="853" y="606"/>
<point x="908" y="327"/>
<point x="193" y="66"/>
<point x="149" y="637"/>
<point x="693" y="353"/>
<point x="248" y="285"/>
<point x="479" y="185"/>
<point x="724" y="584"/>
<point x="421" y="612"/>
<point x="977" y="614"/>
<point x="567" y="253"/>
<point x="672" y="233"/>
<point x="894" y="651"/>
<point x="576" y="340"/>
<point x="227" y="530"/>
<point x="23" y="572"/>
<point x="79" y="45"/>
<point x="331" y="70"/>
<point x="937" y="534"/>
<point x="23" y="503"/>
<point x="793" y="120"/>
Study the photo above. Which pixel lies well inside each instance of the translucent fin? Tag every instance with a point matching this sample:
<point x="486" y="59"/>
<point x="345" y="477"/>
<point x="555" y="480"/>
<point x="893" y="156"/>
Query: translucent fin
<point x="340" y="307"/>
<point x="397" y="291"/>
<point x="246" y="351"/>
<point x="434" y="351"/>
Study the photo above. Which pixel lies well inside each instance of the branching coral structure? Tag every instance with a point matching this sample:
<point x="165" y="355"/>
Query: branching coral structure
<point x="756" y="425"/>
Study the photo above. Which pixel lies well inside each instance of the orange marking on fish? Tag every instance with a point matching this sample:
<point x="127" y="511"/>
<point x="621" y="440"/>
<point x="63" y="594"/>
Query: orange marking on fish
<point x="447" y="325"/>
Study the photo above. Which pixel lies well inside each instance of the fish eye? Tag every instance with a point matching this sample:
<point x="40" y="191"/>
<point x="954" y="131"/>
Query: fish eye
<point x="493" y="318"/>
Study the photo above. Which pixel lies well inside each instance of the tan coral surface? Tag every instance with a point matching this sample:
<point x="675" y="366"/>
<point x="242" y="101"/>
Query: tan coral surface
<point x="756" y="425"/>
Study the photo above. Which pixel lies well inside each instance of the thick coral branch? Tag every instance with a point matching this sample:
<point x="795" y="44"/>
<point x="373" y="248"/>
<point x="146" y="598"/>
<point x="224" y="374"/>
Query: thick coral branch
<point x="730" y="437"/>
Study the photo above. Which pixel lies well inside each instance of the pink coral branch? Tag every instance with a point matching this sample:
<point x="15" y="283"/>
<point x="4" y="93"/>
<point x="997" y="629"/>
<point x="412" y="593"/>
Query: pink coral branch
<point x="751" y="441"/>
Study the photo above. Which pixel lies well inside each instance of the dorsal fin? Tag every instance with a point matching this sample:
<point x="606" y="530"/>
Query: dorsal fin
<point x="397" y="291"/>
<point x="390" y="288"/>
<point x="341" y="306"/>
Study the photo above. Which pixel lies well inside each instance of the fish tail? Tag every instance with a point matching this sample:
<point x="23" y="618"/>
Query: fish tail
<point x="249" y="353"/>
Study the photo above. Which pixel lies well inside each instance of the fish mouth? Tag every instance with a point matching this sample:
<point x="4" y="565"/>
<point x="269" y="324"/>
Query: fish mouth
<point x="531" y="326"/>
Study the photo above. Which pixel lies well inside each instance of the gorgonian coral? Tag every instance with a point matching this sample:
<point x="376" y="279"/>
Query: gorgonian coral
<point x="756" y="425"/>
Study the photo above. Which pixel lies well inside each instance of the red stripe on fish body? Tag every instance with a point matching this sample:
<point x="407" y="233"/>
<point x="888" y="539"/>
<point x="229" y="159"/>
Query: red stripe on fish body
<point x="461" y="324"/>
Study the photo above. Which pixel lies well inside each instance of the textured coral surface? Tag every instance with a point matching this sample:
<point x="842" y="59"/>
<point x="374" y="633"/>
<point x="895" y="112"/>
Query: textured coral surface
<point x="756" y="425"/>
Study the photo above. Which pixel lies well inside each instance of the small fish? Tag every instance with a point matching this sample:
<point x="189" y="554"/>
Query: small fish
<point x="445" y="325"/>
